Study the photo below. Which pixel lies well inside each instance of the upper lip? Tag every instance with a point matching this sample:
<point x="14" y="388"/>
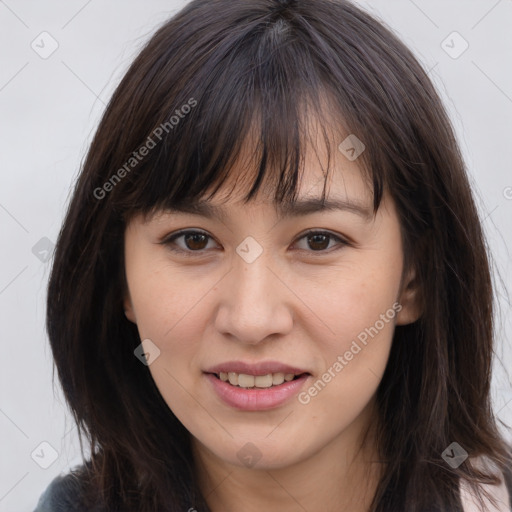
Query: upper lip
<point x="260" y="368"/>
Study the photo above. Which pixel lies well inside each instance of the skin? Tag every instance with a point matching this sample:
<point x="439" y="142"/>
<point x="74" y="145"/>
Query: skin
<point x="293" y="304"/>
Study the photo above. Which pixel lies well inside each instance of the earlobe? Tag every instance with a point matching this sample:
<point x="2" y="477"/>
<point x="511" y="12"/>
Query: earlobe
<point x="410" y="300"/>
<point x="128" y="310"/>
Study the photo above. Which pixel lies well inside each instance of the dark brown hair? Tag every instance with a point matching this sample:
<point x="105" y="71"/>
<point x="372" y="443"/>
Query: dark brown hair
<point x="269" y="66"/>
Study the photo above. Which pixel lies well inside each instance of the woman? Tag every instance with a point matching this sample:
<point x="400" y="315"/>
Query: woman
<point x="271" y="288"/>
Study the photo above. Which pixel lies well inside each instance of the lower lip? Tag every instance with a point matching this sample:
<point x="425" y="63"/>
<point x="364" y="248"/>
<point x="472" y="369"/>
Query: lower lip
<point x="256" y="399"/>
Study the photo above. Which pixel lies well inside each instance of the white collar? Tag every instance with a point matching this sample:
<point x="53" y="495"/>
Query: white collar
<point x="470" y="502"/>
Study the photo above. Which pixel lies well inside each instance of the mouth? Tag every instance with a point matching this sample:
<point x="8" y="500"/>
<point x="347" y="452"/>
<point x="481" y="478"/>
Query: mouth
<point x="246" y="381"/>
<point x="256" y="386"/>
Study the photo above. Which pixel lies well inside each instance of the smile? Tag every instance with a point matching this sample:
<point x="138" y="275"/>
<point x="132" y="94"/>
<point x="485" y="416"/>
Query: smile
<point x="255" y="386"/>
<point x="244" y="380"/>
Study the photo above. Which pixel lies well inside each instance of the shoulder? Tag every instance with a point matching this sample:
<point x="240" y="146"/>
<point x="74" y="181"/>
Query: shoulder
<point x="501" y="494"/>
<point x="64" y="493"/>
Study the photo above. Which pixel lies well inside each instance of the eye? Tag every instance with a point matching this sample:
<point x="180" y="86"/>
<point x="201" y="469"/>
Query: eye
<point x="319" y="241"/>
<point x="194" y="241"/>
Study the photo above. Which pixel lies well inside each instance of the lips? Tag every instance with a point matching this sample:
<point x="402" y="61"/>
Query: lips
<point x="264" y="374"/>
<point x="260" y="368"/>
<point x="244" y="380"/>
<point x="257" y="386"/>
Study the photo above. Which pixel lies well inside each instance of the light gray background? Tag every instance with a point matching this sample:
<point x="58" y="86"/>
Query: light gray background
<point x="50" y="107"/>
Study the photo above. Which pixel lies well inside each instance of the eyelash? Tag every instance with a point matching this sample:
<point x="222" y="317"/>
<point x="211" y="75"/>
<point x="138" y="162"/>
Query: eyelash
<point x="168" y="241"/>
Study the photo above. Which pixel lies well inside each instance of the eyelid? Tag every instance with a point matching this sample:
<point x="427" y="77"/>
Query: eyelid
<point x="342" y="240"/>
<point x="167" y="239"/>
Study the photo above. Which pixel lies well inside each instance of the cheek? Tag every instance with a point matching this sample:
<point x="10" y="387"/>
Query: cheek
<point x="169" y="308"/>
<point x="354" y="358"/>
<point x="357" y="306"/>
<point x="349" y="300"/>
<point x="167" y="302"/>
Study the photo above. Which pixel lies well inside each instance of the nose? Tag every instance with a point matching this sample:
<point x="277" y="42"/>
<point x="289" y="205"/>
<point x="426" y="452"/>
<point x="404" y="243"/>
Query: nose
<point x="255" y="303"/>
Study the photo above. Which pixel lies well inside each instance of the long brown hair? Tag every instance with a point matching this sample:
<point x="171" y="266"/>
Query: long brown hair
<point x="208" y="76"/>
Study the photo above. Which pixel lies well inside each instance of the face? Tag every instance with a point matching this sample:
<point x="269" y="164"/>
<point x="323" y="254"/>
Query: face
<point x="271" y="327"/>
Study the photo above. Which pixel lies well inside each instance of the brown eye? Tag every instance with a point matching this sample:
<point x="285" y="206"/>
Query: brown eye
<point x="195" y="241"/>
<point x="320" y="241"/>
<point x="188" y="242"/>
<point x="192" y="241"/>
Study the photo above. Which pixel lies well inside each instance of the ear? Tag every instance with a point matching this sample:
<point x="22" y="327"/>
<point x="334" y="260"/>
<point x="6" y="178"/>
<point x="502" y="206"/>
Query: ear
<point x="128" y="309"/>
<point x="410" y="300"/>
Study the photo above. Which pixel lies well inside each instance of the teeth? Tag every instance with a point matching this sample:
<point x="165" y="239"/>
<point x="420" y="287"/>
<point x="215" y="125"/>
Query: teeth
<point x="259" y="381"/>
<point x="263" y="381"/>
<point x="245" y="381"/>
<point x="277" y="378"/>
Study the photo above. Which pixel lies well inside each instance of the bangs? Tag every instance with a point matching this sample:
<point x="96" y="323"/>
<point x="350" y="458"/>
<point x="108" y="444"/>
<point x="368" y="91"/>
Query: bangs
<point x="244" y="112"/>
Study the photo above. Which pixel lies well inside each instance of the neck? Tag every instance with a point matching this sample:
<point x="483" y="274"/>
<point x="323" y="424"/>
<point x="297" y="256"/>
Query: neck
<point x="341" y="477"/>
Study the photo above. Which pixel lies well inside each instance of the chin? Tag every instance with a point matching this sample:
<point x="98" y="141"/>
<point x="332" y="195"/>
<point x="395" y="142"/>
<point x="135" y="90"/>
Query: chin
<point x="262" y="454"/>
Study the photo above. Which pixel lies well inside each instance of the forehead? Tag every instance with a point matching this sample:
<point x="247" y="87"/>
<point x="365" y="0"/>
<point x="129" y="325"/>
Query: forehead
<point x="322" y="169"/>
<point x="345" y="190"/>
<point x="331" y="157"/>
<point x="327" y="177"/>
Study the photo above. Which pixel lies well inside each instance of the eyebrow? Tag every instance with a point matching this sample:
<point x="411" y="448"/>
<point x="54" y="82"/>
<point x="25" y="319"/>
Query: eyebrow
<point x="302" y="207"/>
